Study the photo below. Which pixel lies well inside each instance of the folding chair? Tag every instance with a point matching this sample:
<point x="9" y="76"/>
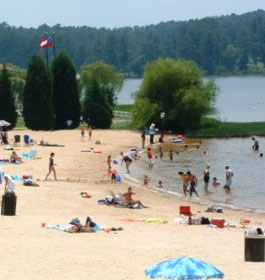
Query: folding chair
<point x="16" y="140"/>
<point x="185" y="210"/>
<point x="27" y="140"/>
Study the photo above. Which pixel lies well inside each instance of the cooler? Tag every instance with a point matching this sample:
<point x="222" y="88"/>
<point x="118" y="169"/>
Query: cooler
<point x="218" y="222"/>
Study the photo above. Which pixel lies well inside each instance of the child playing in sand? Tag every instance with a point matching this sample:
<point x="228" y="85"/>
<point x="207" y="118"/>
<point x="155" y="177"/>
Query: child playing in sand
<point x="113" y="176"/>
<point x="51" y="167"/>
<point x="215" y="182"/>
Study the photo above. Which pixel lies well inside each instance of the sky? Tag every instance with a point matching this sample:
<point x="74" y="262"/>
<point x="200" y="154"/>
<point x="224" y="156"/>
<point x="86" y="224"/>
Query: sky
<point x="116" y="13"/>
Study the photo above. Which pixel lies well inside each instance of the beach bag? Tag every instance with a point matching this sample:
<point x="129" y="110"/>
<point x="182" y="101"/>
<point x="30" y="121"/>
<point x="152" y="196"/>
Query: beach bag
<point x="205" y="221"/>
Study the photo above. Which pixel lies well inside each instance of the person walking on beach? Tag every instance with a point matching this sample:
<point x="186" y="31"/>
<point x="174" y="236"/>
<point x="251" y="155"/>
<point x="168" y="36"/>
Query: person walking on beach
<point x="82" y="134"/>
<point x="228" y="176"/>
<point x="206" y="177"/>
<point x="193" y="183"/>
<point x="89" y="133"/>
<point x="150" y="158"/>
<point x="127" y="161"/>
<point x="185" y="182"/>
<point x="152" y="133"/>
<point x="51" y="167"/>
<point x="255" y="146"/>
<point x="143" y="139"/>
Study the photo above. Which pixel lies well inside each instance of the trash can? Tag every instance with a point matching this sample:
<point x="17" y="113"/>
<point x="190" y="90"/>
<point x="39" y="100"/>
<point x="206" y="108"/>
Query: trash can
<point x="254" y="248"/>
<point x="9" y="202"/>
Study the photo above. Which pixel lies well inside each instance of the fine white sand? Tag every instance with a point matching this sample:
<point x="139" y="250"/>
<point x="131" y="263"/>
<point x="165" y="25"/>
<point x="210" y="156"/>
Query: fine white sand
<point x="29" y="251"/>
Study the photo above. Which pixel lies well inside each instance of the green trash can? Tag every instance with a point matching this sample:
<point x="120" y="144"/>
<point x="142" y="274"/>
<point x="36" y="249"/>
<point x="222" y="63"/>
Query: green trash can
<point x="254" y="248"/>
<point x="9" y="203"/>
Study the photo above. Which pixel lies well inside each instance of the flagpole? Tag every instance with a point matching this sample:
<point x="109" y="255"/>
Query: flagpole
<point x="47" y="53"/>
<point x="54" y="46"/>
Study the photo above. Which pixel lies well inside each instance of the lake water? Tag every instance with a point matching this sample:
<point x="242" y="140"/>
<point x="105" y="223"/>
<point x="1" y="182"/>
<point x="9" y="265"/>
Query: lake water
<point x="241" y="99"/>
<point x="248" y="189"/>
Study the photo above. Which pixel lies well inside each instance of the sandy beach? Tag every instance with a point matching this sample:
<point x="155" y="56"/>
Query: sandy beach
<point x="30" y="251"/>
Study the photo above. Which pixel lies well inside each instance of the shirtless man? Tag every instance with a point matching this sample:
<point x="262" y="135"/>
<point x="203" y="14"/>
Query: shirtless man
<point x="128" y="199"/>
<point x="193" y="182"/>
<point x="185" y="181"/>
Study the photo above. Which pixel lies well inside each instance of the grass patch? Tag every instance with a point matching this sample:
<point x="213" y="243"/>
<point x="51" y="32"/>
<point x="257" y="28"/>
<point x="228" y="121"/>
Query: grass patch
<point x="20" y="123"/>
<point x="124" y="107"/>
<point x="210" y="128"/>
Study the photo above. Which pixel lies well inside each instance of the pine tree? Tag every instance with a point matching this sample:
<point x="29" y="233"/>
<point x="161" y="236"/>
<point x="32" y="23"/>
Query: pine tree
<point x="7" y="101"/>
<point x="38" y="108"/>
<point x="65" y="92"/>
<point x="96" y="108"/>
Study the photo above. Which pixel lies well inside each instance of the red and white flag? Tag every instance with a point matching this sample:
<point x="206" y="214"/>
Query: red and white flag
<point x="46" y="43"/>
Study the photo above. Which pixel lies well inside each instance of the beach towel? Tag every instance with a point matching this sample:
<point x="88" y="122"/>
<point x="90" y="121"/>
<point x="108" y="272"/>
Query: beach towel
<point x="155" y="221"/>
<point x="60" y="227"/>
<point x="86" y="151"/>
<point x="131" y="220"/>
<point x="8" y="162"/>
<point x="16" y="177"/>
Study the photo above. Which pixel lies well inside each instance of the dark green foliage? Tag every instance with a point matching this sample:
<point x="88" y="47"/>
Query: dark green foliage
<point x="65" y="92"/>
<point x="219" y="45"/>
<point x="213" y="128"/>
<point x="97" y="111"/>
<point x="175" y="88"/>
<point x="38" y="108"/>
<point x="7" y="106"/>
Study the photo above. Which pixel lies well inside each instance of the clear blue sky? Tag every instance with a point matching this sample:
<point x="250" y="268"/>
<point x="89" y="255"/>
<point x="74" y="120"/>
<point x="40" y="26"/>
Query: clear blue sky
<point x="117" y="13"/>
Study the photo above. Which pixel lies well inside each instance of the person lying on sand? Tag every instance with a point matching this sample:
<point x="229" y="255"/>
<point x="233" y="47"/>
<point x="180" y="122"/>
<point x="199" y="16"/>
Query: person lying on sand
<point x="15" y="158"/>
<point x="128" y="199"/>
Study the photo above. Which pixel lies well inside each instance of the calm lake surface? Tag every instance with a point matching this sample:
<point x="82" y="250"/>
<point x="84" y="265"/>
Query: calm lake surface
<point x="241" y="99"/>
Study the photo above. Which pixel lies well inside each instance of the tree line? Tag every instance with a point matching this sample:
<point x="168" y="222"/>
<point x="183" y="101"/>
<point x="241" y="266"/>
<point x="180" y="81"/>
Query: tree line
<point x="54" y="95"/>
<point x="231" y="44"/>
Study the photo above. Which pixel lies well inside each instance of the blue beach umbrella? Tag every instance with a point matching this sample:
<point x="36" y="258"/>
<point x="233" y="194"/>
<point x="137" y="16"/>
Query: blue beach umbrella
<point x="183" y="268"/>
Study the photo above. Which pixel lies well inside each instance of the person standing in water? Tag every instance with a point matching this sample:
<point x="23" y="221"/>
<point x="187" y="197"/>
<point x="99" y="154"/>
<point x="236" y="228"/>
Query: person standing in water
<point x="228" y="176"/>
<point x="127" y="161"/>
<point x="51" y="167"/>
<point x="255" y="146"/>
<point x="170" y="155"/>
<point x="206" y="177"/>
<point x="193" y="183"/>
<point x="150" y="158"/>
<point x="160" y="152"/>
<point x="185" y="182"/>
<point x="143" y="139"/>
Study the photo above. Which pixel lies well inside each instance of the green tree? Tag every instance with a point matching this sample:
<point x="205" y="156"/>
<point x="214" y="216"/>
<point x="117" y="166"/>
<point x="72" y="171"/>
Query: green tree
<point x="38" y="108"/>
<point x="65" y="92"/>
<point x="108" y="80"/>
<point x="7" y="102"/>
<point x="176" y="88"/>
<point x="96" y="108"/>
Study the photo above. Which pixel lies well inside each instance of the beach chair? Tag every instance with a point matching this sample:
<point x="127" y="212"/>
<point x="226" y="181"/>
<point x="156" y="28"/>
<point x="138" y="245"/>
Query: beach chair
<point x="185" y="211"/>
<point x="16" y="140"/>
<point x="27" y="140"/>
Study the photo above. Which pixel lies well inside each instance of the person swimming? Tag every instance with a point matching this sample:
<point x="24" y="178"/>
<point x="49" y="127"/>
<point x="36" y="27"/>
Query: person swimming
<point x="215" y="182"/>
